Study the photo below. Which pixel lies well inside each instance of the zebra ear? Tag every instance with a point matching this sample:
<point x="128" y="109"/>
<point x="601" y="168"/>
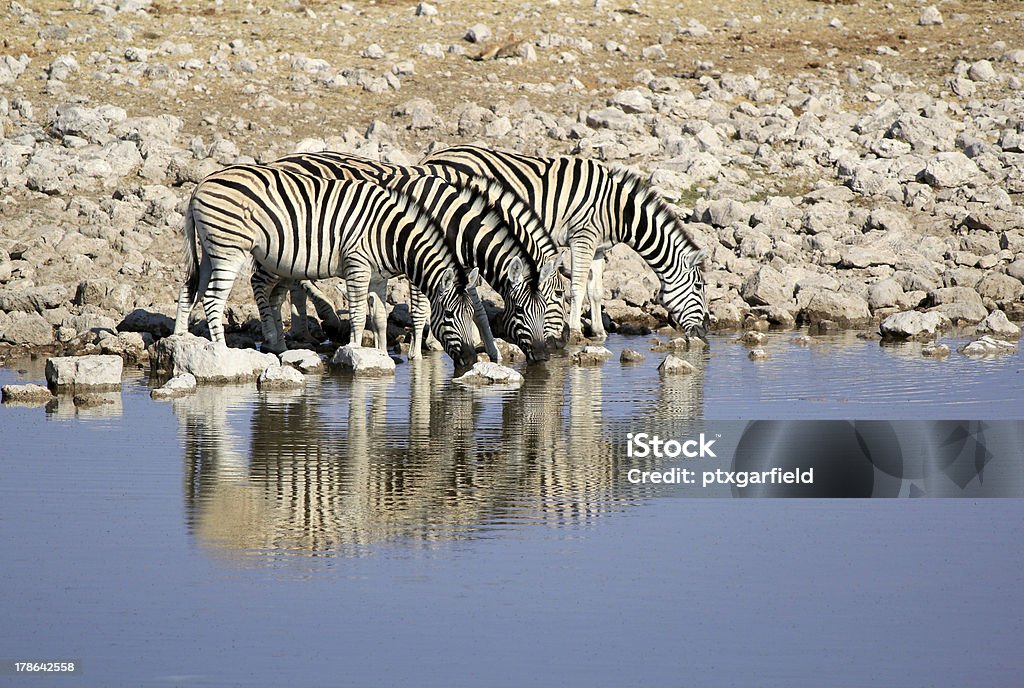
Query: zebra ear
<point x="548" y="269"/>
<point x="473" y="279"/>
<point x="447" y="280"/>
<point x="516" y="270"/>
<point x="698" y="258"/>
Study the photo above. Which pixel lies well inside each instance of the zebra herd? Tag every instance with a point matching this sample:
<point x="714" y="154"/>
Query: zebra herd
<point x="464" y="214"/>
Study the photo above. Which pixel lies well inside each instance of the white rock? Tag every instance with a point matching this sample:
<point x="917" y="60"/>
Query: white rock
<point x="207" y="361"/>
<point x="303" y="359"/>
<point x="177" y="386"/>
<point x="913" y="325"/>
<point x="478" y="33"/>
<point x="930" y="16"/>
<point x="591" y="355"/>
<point x="487" y="373"/>
<point x="25" y="394"/>
<point x="509" y="352"/>
<point x="281" y="377"/>
<point x="981" y="70"/>
<point x="673" y="365"/>
<point x="363" y="360"/>
<point x="425" y="9"/>
<point x="935" y="351"/>
<point x="93" y="372"/>
<point x="949" y="169"/>
<point x="996" y="323"/>
<point x="757" y="354"/>
<point x="988" y="346"/>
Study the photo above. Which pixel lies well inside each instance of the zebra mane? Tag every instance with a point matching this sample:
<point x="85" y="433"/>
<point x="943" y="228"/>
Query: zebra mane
<point x="634" y="183"/>
<point x="419" y="214"/>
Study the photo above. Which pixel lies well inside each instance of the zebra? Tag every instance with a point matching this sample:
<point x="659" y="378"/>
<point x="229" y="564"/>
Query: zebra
<point x="530" y="283"/>
<point x="307" y="228"/>
<point x="589" y="207"/>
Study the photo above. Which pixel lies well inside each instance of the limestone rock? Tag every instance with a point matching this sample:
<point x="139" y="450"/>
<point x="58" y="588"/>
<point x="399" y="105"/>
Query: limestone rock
<point x="208" y="362"/>
<point x="28" y="329"/>
<point x="996" y="323"/>
<point x="630" y="356"/>
<point x="96" y="373"/>
<point x="591" y="355"/>
<point x="757" y="354"/>
<point x="509" y="352"/>
<point x="488" y="373"/>
<point x="281" y="377"/>
<point x="988" y="346"/>
<point x="25" y="394"/>
<point x="178" y="386"/>
<point x="362" y="360"/>
<point x="673" y="365"/>
<point x="302" y="359"/>
<point x="913" y="325"/>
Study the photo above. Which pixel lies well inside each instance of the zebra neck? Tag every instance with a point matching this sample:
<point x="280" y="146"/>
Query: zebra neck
<point x="647" y="225"/>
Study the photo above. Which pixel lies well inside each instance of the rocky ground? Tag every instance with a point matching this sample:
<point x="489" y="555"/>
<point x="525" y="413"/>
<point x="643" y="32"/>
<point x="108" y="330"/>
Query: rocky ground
<point x="841" y="162"/>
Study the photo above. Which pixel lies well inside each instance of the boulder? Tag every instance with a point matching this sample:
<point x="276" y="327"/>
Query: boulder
<point x="362" y="360"/>
<point x="509" y="352"/>
<point x="281" y="377"/>
<point x="673" y="365"/>
<point x="935" y="351"/>
<point x="988" y="346"/>
<point x="766" y="287"/>
<point x="207" y="361"/>
<point x="1000" y="288"/>
<point x="753" y="338"/>
<point x="996" y="323"/>
<point x="25" y="394"/>
<point x="913" y="325"/>
<point x="94" y="373"/>
<point x="848" y="310"/>
<point x="142" y="320"/>
<point x="488" y="373"/>
<point x="591" y="355"/>
<point x="959" y="304"/>
<point x="950" y="169"/>
<point x="26" y="329"/>
<point x="178" y="386"/>
<point x="884" y="294"/>
<point x="302" y="359"/>
<point x="630" y="356"/>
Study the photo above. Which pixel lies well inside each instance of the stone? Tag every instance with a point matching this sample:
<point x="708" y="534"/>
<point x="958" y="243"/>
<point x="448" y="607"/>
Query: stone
<point x="802" y="340"/>
<point x="673" y="365"/>
<point x="425" y="9"/>
<point x="92" y="400"/>
<point x="488" y="373"/>
<point x="362" y="360"/>
<point x="996" y="323"/>
<point x="757" y="355"/>
<point x="766" y="287"/>
<point x="930" y="16"/>
<point x="478" y="33"/>
<point x="981" y="70"/>
<point x="25" y="394"/>
<point x="1000" y="288"/>
<point x="676" y="344"/>
<point x="988" y="346"/>
<point x="949" y="170"/>
<point x="631" y="356"/>
<point x="97" y="373"/>
<point x="178" y="386"/>
<point x="935" y="351"/>
<point x="846" y="309"/>
<point x="631" y="101"/>
<point x="281" y="377"/>
<point x="753" y="338"/>
<point x="25" y="329"/>
<point x="884" y="294"/>
<point x="509" y="352"/>
<point x="959" y="304"/>
<point x="142" y="320"/>
<point x="913" y="325"/>
<point x="302" y="359"/>
<point x="591" y="355"/>
<point x="207" y="361"/>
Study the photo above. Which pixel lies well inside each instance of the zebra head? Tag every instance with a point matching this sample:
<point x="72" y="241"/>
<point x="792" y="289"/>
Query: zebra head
<point x="452" y="315"/>
<point x="554" y="288"/>
<point x="683" y="296"/>
<point x="525" y="311"/>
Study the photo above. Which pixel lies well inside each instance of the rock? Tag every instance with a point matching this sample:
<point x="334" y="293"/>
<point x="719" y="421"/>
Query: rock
<point x="281" y="377"/>
<point x="488" y="373"/>
<point x="913" y="325"/>
<point x="766" y="287"/>
<point x="935" y="351"/>
<point x="996" y="323"/>
<point x="178" y="386"/>
<point x="631" y="356"/>
<point x="207" y="361"/>
<point x="25" y="394"/>
<point x="362" y="360"/>
<point x="981" y="70"/>
<point x="141" y="320"/>
<point x="724" y="213"/>
<point x="302" y="359"/>
<point x="988" y="346"/>
<point x="753" y="338"/>
<point x="949" y="169"/>
<point x="131" y="346"/>
<point x="866" y="256"/>
<point x="509" y="352"/>
<point x="478" y="33"/>
<point x="930" y="16"/>
<point x="884" y="294"/>
<point x="802" y="340"/>
<point x="959" y="304"/>
<point x="92" y="400"/>
<point x="846" y="309"/>
<point x="425" y="9"/>
<point x="103" y="293"/>
<point x="1000" y="288"/>
<point x="96" y="373"/>
<point x="631" y="101"/>
<point x="673" y="365"/>
<point x="26" y="329"/>
<point x="677" y="344"/>
<point x="591" y="355"/>
<point x="757" y="355"/>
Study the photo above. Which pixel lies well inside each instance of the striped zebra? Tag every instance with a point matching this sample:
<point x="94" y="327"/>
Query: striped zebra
<point x="304" y="227"/>
<point x="516" y="256"/>
<point x="589" y="207"/>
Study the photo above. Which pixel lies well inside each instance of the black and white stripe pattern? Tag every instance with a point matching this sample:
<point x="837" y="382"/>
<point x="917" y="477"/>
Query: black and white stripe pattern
<point x="303" y="227"/>
<point x="516" y="256"/>
<point x="589" y="207"/>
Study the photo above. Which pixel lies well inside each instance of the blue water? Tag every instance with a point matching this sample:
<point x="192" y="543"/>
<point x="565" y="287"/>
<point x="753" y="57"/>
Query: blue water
<point x="410" y="532"/>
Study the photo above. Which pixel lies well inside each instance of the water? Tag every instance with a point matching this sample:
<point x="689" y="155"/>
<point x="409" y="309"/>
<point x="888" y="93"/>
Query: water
<point x="411" y="532"/>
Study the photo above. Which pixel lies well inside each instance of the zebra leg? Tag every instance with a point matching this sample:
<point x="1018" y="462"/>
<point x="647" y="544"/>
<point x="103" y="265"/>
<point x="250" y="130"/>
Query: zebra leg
<point x="265" y="286"/>
<point x="424" y="334"/>
<point x="420" y="306"/>
<point x="329" y="319"/>
<point x="222" y="277"/>
<point x="379" y="310"/>
<point x="187" y="298"/>
<point x="276" y="302"/>
<point x="595" y="290"/>
<point x="357" y="286"/>
<point x="582" y="251"/>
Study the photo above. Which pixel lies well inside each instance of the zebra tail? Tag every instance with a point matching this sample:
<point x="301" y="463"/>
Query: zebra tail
<point x="191" y="251"/>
